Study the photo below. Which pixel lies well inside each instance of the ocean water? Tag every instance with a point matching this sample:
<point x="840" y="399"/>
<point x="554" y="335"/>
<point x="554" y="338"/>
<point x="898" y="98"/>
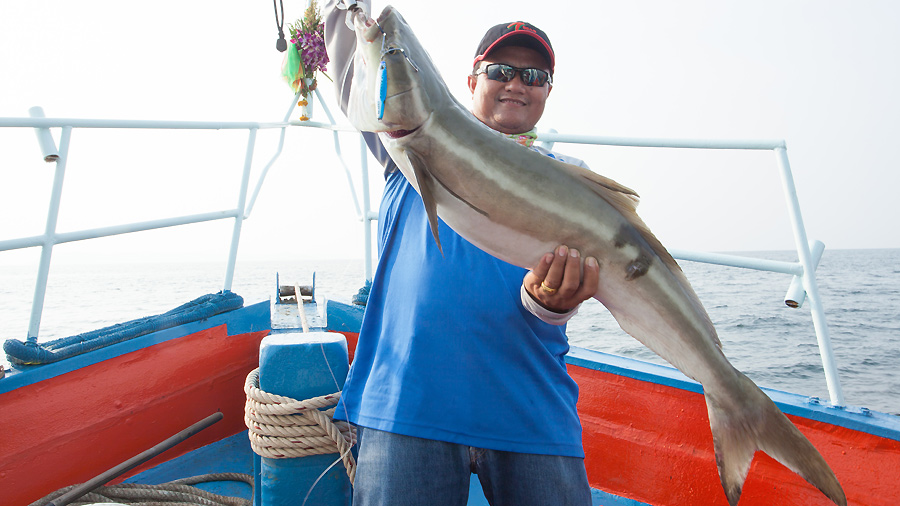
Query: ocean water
<point x="773" y="344"/>
<point x="776" y="345"/>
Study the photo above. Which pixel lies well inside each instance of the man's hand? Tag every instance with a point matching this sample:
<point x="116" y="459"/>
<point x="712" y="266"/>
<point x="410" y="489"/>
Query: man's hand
<point x="557" y="282"/>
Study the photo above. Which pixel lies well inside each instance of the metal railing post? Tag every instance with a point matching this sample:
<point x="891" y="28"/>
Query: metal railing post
<point x="265" y="170"/>
<point x="239" y="217"/>
<point x="45" y="139"/>
<point x="809" y="280"/>
<point x="796" y="294"/>
<point x="366" y="215"/>
<point x="40" y="287"/>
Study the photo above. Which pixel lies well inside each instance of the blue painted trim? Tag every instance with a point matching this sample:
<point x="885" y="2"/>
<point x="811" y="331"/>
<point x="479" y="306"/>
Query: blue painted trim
<point x="476" y="493"/>
<point x="854" y="418"/>
<point x="601" y="498"/>
<point x="343" y="317"/>
<point x="632" y="368"/>
<point x="203" y="307"/>
<point x="240" y="321"/>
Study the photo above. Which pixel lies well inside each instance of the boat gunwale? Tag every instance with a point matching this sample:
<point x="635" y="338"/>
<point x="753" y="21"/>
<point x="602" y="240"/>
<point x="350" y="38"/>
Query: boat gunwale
<point x="19" y="376"/>
<point x="856" y="418"/>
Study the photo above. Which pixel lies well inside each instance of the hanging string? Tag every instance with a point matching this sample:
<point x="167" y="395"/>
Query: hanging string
<point x="281" y="45"/>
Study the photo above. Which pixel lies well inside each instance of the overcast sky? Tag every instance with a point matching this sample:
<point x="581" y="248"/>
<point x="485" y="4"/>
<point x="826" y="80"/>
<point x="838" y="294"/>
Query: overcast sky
<point x="823" y="75"/>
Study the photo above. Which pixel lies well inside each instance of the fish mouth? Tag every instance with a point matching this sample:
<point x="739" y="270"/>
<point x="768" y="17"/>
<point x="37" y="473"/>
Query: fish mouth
<point x="399" y="134"/>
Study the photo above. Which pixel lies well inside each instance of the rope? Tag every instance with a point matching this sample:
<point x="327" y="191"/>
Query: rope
<point x="282" y="427"/>
<point x="178" y="492"/>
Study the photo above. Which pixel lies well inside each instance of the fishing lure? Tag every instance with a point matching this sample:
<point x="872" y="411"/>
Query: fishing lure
<point x="381" y="78"/>
<point x="382" y="88"/>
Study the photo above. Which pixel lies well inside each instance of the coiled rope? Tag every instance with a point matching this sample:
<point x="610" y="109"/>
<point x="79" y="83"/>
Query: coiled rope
<point x="282" y="427"/>
<point x="178" y="492"/>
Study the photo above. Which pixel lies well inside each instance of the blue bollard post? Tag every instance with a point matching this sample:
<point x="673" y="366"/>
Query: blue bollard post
<point x="296" y="365"/>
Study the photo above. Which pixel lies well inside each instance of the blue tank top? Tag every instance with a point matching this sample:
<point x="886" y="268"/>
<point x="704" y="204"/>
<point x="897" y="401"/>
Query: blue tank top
<point x="446" y="350"/>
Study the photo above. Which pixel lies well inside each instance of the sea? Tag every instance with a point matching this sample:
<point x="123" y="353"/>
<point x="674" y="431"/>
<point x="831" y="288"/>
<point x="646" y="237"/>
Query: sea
<point x="773" y="344"/>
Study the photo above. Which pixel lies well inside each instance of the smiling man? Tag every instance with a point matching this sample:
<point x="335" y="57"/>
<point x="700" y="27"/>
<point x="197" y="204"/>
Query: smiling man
<point x="513" y="107"/>
<point x="460" y="364"/>
<point x="508" y="105"/>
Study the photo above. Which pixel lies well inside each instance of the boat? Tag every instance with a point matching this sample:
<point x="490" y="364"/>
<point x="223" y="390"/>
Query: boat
<point x="91" y="407"/>
<point x="169" y="398"/>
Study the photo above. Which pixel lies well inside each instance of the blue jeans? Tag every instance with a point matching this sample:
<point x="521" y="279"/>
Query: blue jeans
<point x="396" y="470"/>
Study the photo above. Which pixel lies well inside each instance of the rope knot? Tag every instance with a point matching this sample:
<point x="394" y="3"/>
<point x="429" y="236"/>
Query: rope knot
<point x="281" y="427"/>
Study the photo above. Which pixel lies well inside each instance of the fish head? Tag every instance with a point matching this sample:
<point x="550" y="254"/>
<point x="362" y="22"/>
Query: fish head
<point x="396" y="87"/>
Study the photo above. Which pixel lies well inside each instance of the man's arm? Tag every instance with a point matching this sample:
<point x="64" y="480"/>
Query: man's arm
<point x="340" y="43"/>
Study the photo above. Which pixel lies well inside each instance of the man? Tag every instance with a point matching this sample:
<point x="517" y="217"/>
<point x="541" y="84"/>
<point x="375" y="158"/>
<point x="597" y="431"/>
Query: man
<point x="460" y="362"/>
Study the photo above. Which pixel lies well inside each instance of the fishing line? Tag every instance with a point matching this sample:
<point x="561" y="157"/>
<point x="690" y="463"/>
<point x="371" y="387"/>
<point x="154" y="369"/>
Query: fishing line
<point x="346" y="415"/>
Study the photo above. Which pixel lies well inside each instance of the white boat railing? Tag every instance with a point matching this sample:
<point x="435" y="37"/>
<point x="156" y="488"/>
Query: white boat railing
<point x="51" y="237"/>
<point x="803" y="271"/>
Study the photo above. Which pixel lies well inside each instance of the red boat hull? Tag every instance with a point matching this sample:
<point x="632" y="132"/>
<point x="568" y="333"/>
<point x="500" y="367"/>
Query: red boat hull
<point x="68" y="428"/>
<point x="646" y="431"/>
<point x="649" y="440"/>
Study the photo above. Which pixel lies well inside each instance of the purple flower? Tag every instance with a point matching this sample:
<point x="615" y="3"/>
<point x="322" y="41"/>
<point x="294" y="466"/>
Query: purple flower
<point x="312" y="51"/>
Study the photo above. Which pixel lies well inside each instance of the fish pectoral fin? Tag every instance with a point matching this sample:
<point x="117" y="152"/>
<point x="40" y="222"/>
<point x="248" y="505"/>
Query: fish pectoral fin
<point x="755" y="423"/>
<point x="428" y="185"/>
<point x="426" y="182"/>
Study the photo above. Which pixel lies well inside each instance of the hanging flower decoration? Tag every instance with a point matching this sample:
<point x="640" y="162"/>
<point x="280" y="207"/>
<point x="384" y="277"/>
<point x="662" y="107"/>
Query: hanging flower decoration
<point x="306" y="55"/>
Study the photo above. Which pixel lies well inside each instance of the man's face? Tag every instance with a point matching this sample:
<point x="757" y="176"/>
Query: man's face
<point x="511" y="108"/>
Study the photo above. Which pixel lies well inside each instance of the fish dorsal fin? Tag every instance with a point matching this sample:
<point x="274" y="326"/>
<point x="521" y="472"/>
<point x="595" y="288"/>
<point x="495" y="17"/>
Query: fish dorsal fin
<point x="426" y="183"/>
<point x="625" y="200"/>
<point x="627" y="197"/>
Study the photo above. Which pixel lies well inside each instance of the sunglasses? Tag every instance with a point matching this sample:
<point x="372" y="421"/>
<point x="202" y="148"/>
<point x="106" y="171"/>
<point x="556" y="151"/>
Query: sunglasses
<point x="505" y="73"/>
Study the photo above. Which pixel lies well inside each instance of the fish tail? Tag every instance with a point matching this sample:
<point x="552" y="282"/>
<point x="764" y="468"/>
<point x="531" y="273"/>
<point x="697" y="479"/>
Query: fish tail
<point x="740" y="429"/>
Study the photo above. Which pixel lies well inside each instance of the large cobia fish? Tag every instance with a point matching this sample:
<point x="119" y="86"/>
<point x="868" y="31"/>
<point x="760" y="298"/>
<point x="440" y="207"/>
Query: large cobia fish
<point x="517" y="204"/>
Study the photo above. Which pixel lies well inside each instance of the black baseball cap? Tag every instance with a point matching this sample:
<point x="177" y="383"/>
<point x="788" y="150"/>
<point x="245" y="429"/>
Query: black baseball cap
<point x="517" y="33"/>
